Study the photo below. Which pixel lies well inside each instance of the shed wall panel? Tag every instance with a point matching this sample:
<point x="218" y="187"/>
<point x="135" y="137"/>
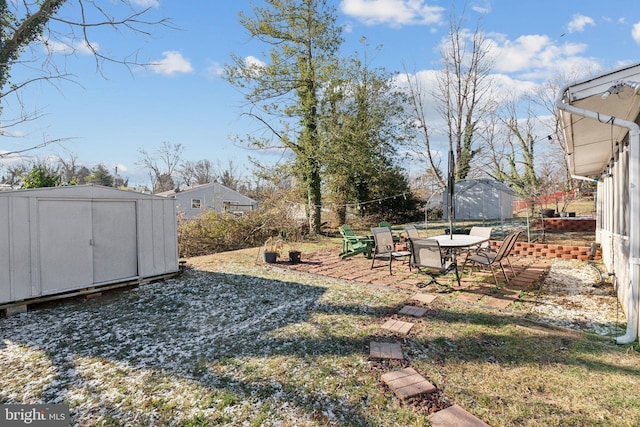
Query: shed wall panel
<point x="170" y="233"/>
<point x="114" y="241"/>
<point x="65" y="252"/>
<point x="158" y="237"/>
<point x="21" y="238"/>
<point x="145" y="238"/>
<point x="5" y="271"/>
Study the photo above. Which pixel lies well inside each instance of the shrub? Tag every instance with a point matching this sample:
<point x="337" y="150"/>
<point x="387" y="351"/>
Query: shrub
<point x="213" y="232"/>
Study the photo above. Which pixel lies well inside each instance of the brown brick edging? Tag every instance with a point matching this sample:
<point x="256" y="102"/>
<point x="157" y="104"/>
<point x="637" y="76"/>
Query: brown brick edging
<point x="544" y="250"/>
<point x="564" y="224"/>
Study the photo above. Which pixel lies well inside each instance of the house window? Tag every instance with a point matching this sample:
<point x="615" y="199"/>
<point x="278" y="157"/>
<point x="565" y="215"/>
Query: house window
<point x="229" y="205"/>
<point x="195" y="204"/>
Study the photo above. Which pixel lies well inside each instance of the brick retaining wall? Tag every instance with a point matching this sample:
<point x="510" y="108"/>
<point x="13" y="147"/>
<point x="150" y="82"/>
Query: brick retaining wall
<point x="566" y="224"/>
<point x="551" y="251"/>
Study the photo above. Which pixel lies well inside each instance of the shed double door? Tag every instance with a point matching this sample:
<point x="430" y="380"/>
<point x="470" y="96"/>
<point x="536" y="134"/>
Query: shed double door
<point x="85" y="242"/>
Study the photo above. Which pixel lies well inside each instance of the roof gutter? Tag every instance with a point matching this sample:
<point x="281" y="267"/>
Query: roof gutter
<point x="634" y="207"/>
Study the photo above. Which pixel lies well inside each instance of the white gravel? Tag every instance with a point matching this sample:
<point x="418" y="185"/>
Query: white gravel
<point x="573" y="296"/>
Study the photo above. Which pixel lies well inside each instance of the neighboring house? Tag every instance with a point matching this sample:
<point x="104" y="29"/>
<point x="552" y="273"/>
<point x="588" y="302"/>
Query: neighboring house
<point x="192" y="201"/>
<point x="599" y="118"/>
<point x="480" y="199"/>
<point x="61" y="239"/>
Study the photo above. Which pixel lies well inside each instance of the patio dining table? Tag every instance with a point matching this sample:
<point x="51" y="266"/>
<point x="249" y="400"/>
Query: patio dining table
<point x="459" y="241"/>
<point x="455" y="243"/>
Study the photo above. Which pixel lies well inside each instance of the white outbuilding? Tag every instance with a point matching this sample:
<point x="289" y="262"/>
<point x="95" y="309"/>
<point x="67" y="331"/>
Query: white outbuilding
<point x="480" y="199"/>
<point x="57" y="240"/>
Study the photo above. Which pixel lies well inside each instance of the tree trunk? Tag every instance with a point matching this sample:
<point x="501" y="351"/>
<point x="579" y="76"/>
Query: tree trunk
<point x="314" y="197"/>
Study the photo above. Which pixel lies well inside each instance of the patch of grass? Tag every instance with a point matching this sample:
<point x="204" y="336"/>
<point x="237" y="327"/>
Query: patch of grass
<point x="244" y="344"/>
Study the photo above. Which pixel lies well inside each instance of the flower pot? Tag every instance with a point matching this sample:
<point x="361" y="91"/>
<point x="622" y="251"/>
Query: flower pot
<point x="269" y="257"/>
<point x="294" y="257"/>
<point x="548" y="213"/>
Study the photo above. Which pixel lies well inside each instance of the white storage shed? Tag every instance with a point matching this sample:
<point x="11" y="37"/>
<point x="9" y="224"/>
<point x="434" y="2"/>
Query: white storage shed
<point x="61" y="239"/>
<point x="480" y="199"/>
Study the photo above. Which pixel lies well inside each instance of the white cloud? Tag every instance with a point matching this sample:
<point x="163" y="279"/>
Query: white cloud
<point x="537" y="57"/>
<point x="481" y="7"/>
<point x="393" y="12"/>
<point x="214" y="69"/>
<point x="635" y="32"/>
<point x="253" y="61"/>
<point x="69" y="47"/>
<point x="146" y="3"/>
<point x="172" y="63"/>
<point x="579" y="22"/>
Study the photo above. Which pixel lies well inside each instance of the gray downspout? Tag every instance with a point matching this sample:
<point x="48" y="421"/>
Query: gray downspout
<point x="634" y="209"/>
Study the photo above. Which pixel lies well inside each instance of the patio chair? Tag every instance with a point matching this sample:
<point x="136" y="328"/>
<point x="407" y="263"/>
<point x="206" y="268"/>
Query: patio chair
<point x="353" y="244"/>
<point x="395" y="234"/>
<point x="427" y="256"/>
<point x="487" y="259"/>
<point x="482" y="232"/>
<point x="412" y="232"/>
<point x="384" y="247"/>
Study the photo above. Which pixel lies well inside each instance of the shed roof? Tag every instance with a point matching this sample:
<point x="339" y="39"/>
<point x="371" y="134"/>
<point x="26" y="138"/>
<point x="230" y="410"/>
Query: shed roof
<point x="79" y="191"/>
<point x="468" y="184"/>
<point x="589" y="142"/>
<point x="172" y="193"/>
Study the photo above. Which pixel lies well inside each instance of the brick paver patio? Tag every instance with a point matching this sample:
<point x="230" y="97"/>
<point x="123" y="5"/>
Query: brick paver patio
<point x="476" y="287"/>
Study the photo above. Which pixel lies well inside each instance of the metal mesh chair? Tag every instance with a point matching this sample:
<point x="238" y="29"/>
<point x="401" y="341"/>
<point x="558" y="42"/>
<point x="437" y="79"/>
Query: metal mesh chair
<point x="385" y="246"/>
<point x="412" y="232"/>
<point x="490" y="259"/>
<point x="427" y="256"/>
<point x="482" y="232"/>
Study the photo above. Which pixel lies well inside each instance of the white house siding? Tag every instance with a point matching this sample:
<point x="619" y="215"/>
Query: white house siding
<point x="61" y="239"/>
<point x="211" y="196"/>
<point x="612" y="224"/>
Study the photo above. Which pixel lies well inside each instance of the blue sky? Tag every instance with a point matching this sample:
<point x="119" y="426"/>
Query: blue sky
<point x="183" y="100"/>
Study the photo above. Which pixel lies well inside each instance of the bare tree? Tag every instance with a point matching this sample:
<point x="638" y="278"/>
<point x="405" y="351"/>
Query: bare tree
<point x="228" y="175"/>
<point x="461" y="95"/>
<point x="462" y="86"/>
<point x="62" y="27"/>
<point x="162" y="165"/>
<point x="545" y="97"/>
<point x="513" y="160"/>
<point x="197" y="173"/>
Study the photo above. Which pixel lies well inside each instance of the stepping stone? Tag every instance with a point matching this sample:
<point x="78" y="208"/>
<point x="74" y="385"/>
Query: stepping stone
<point x="497" y="302"/>
<point x="412" y="310"/>
<point x="469" y="297"/>
<point x="407" y="383"/>
<point x="425" y="298"/>
<point x="385" y="350"/>
<point x="455" y="416"/>
<point x="397" y="326"/>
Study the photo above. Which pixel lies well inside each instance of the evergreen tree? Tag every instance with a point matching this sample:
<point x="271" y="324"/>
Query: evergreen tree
<point x="283" y="94"/>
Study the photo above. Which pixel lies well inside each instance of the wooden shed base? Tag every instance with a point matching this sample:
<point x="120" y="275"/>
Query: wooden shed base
<point x="17" y="307"/>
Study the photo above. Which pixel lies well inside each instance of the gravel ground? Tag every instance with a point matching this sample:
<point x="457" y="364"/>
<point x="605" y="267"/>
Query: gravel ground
<point x="575" y="296"/>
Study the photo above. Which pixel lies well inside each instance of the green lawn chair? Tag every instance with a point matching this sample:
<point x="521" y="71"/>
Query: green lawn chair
<point x="353" y="244"/>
